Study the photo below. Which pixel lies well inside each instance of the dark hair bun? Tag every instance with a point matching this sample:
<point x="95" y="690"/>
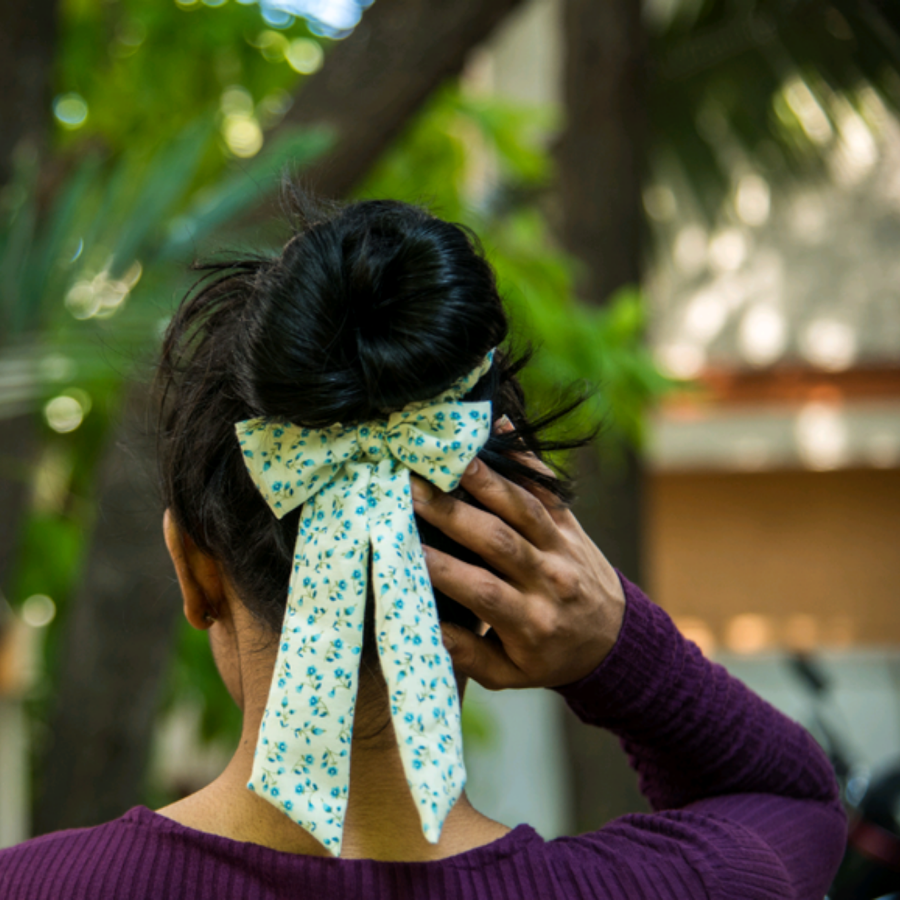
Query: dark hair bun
<point x="366" y="310"/>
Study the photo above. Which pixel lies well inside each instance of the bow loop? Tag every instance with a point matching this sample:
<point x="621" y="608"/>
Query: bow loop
<point x="438" y="442"/>
<point x="289" y="464"/>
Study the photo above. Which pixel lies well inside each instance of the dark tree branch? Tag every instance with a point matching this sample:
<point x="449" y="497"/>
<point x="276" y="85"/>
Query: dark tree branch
<point x="379" y="77"/>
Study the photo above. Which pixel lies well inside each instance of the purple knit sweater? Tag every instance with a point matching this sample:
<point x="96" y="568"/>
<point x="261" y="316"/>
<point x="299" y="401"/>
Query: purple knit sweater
<point x="746" y="809"/>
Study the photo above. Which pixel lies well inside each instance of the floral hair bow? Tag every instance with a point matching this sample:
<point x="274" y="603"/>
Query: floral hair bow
<point x="354" y="482"/>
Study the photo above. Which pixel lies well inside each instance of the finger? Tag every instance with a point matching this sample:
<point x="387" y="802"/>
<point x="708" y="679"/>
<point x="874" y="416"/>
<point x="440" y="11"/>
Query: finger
<point x="557" y="509"/>
<point x="555" y="506"/>
<point x="517" y="506"/>
<point x="489" y="597"/>
<point x="498" y="544"/>
<point x="503" y="425"/>
<point x="482" y="659"/>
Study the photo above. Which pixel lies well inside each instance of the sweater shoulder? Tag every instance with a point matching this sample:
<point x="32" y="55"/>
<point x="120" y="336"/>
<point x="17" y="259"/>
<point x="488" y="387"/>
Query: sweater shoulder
<point x="69" y="865"/>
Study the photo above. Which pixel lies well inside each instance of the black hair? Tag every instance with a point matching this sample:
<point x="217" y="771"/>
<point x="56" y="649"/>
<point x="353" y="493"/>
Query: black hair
<point x="367" y="308"/>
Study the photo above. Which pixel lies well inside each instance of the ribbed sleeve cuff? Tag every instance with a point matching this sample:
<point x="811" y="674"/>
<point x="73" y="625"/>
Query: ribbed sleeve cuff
<point x="690" y="729"/>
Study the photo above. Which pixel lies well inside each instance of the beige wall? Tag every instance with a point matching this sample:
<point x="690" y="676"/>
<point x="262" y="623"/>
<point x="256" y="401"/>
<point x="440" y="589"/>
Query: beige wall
<point x="754" y="560"/>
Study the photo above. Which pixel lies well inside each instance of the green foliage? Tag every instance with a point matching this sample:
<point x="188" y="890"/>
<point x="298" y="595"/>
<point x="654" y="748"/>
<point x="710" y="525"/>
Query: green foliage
<point x="600" y="347"/>
<point x="720" y="97"/>
<point x="87" y="287"/>
<point x="477" y="727"/>
<point x="148" y="70"/>
<point x="57" y="544"/>
<point x="86" y="290"/>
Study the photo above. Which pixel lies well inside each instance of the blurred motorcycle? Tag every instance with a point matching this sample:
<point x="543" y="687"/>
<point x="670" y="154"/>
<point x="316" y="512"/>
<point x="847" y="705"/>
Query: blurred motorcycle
<point x="870" y="869"/>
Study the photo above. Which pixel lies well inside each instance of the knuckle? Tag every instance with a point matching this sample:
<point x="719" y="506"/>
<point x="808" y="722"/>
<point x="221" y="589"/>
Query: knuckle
<point x="483" y="474"/>
<point x="438" y="568"/>
<point x="489" y="592"/>
<point x="542" y="626"/>
<point x="501" y="541"/>
<point x="566" y="584"/>
<point x="444" y="503"/>
<point x="532" y="510"/>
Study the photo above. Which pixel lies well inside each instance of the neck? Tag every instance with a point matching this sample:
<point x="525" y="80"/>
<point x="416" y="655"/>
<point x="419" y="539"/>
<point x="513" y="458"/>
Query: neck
<point x="382" y="822"/>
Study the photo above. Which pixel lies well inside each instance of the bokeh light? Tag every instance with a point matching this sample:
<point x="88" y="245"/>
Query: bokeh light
<point x="803" y="104"/>
<point x="240" y="128"/>
<point x="728" y="250"/>
<point x="101" y="296"/>
<point x="331" y="18"/>
<point x="660" y="203"/>
<point x="748" y="633"/>
<point x="243" y="135"/>
<point x="752" y="200"/>
<point x="763" y="334"/>
<point x="304" y="56"/>
<point x="821" y="434"/>
<point x="64" y="414"/>
<point x="271" y="45"/>
<point x="829" y="343"/>
<point x="70" y="110"/>
<point x="690" y="249"/>
<point x="698" y="631"/>
<point x="38" y="611"/>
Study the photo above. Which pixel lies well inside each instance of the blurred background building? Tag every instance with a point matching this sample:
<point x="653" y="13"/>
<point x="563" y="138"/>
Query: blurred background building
<point x="772" y="504"/>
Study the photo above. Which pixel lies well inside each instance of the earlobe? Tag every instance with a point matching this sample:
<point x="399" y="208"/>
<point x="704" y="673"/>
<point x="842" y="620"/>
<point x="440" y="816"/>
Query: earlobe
<point x="198" y="577"/>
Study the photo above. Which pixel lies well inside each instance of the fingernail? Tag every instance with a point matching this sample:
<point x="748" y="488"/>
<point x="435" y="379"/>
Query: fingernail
<point x="449" y="638"/>
<point x="421" y="490"/>
<point x="472" y="468"/>
<point x="503" y="425"/>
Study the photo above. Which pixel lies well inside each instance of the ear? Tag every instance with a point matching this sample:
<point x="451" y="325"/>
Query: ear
<point x="198" y="576"/>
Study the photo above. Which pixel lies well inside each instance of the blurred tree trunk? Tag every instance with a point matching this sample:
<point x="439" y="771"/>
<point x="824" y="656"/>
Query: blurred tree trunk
<point x="119" y="632"/>
<point x="601" y="160"/>
<point x="18" y="446"/>
<point x="116" y="645"/>
<point x="378" y="78"/>
<point x="27" y="43"/>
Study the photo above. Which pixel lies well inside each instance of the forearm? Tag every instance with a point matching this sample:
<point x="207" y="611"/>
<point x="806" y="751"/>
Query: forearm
<point x="691" y="730"/>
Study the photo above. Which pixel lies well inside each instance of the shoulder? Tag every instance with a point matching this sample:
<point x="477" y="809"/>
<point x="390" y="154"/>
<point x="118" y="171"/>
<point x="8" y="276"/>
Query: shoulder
<point x="75" y="864"/>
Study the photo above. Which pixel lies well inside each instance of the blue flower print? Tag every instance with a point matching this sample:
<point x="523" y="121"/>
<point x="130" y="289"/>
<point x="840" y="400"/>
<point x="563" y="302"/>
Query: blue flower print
<point x="353" y="483"/>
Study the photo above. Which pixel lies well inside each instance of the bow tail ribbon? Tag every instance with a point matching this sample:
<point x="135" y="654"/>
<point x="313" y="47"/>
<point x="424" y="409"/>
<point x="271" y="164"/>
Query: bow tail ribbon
<point x="302" y="760"/>
<point x="424" y="699"/>
<point x="353" y="484"/>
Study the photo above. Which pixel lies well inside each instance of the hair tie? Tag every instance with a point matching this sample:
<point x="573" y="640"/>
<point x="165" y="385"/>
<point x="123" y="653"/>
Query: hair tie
<point x="354" y="481"/>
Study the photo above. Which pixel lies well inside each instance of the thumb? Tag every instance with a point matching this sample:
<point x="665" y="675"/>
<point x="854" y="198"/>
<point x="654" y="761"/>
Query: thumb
<point x="482" y="659"/>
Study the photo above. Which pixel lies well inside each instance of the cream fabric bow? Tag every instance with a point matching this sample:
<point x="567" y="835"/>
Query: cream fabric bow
<point x="354" y="482"/>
